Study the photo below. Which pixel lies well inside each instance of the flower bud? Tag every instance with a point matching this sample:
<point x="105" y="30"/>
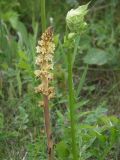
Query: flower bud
<point x="75" y="19"/>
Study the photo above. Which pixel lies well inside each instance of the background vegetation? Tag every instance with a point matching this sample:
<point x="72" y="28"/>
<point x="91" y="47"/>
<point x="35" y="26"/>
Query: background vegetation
<point x="96" y="70"/>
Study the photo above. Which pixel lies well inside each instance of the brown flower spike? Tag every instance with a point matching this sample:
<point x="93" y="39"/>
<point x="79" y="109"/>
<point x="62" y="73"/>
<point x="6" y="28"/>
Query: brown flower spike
<point x="44" y="60"/>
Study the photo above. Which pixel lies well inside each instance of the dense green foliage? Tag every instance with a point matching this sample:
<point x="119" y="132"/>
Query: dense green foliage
<point x="96" y="76"/>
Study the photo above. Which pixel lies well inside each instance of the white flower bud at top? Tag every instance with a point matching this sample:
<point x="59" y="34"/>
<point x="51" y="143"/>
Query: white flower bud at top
<point x="75" y="19"/>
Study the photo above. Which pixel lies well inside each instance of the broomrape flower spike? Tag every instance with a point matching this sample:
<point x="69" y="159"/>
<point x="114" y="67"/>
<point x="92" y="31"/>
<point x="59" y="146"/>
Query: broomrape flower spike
<point x="44" y="60"/>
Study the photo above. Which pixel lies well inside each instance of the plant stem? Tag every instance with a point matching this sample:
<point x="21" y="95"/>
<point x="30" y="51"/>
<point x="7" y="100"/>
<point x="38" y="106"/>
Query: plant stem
<point x="48" y="128"/>
<point x="72" y="107"/>
<point x="46" y="103"/>
<point x="43" y="15"/>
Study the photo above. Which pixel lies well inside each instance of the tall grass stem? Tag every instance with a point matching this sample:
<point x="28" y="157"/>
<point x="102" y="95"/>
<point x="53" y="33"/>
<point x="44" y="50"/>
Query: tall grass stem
<point x="43" y="15"/>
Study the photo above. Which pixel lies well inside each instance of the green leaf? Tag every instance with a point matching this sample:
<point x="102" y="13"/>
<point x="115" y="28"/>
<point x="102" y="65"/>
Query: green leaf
<point x="1" y="120"/>
<point x="62" y="150"/>
<point x="77" y="40"/>
<point x="19" y="82"/>
<point x="23" y="55"/>
<point x="96" y="56"/>
<point x="81" y="103"/>
<point x="82" y="80"/>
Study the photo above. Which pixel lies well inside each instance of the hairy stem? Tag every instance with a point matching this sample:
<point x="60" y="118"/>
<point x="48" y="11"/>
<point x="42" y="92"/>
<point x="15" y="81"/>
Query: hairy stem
<point x="72" y="108"/>
<point x="48" y="128"/>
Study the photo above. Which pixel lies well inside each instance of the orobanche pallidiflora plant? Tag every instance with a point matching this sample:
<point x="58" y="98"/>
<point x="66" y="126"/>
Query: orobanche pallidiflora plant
<point x="44" y="61"/>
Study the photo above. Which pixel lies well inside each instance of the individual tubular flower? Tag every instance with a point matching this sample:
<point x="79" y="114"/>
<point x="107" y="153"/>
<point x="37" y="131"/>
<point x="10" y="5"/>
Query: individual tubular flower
<point x="44" y="60"/>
